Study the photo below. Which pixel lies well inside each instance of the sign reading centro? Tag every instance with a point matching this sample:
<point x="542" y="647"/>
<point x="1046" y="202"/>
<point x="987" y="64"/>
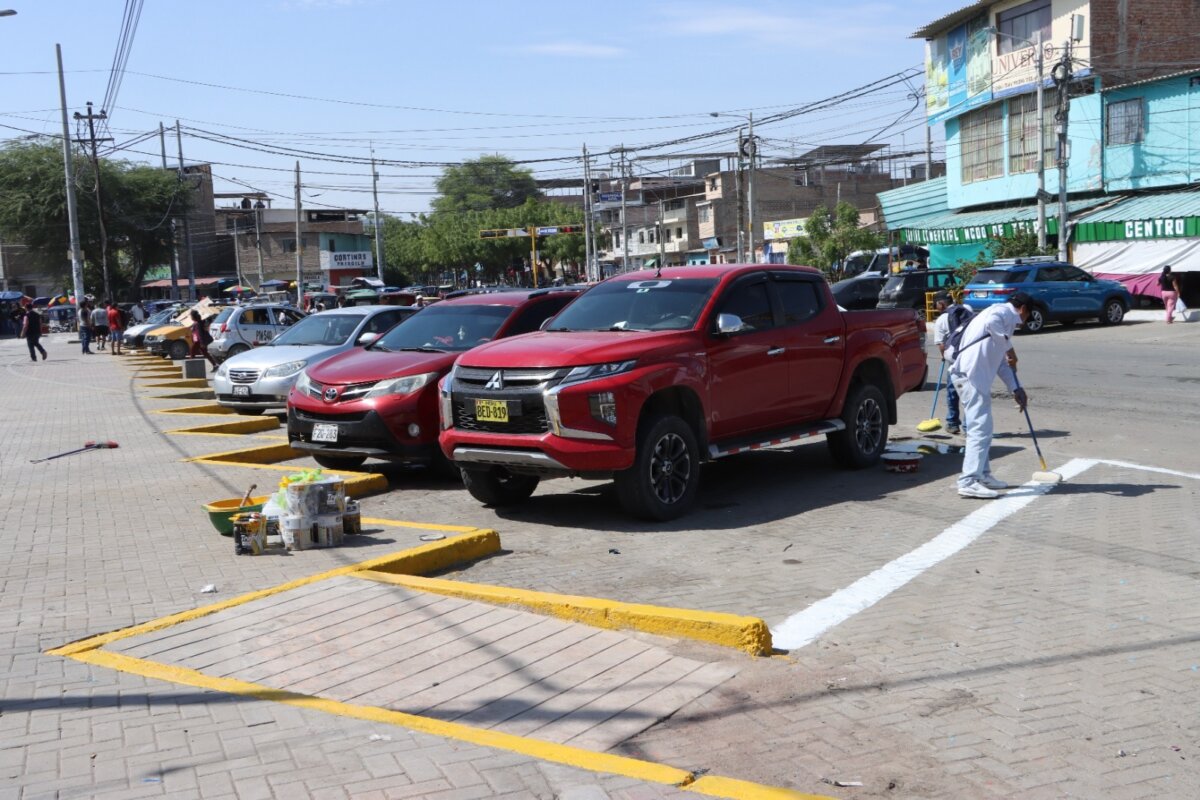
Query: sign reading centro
<point x="1155" y="228"/>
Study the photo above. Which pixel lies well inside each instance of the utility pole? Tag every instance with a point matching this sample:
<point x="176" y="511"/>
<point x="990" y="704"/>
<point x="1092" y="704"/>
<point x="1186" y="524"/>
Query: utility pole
<point x="929" y="152"/>
<point x="1062" y="77"/>
<point x="95" y="158"/>
<point x="662" y="230"/>
<point x="174" y="266"/>
<point x="258" y="243"/>
<point x="3" y="274"/>
<point x="741" y="212"/>
<point x="299" y="247"/>
<point x="187" y="228"/>
<point x="237" y="253"/>
<point x="378" y="222"/>
<point x="624" y="217"/>
<point x="72" y="209"/>
<point x="587" y="215"/>
<point x="750" y="188"/>
<point x="1041" y="144"/>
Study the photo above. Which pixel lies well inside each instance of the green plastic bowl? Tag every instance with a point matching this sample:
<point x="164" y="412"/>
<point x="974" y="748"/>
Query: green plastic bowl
<point x="220" y="513"/>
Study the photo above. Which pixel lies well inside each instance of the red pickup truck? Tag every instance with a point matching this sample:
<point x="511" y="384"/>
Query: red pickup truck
<point x="648" y="374"/>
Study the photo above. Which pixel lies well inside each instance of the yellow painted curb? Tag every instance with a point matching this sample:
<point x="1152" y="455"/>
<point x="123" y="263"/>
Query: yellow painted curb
<point x="748" y="634"/>
<point x="205" y="410"/>
<point x="425" y="526"/>
<point x="428" y="558"/>
<point x="263" y="454"/>
<point x="183" y="383"/>
<point x="237" y="426"/>
<point x="716" y="786"/>
<point x="203" y="395"/>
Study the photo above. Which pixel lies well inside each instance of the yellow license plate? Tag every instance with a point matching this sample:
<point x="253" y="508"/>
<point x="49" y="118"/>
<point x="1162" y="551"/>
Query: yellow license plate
<point x="491" y="410"/>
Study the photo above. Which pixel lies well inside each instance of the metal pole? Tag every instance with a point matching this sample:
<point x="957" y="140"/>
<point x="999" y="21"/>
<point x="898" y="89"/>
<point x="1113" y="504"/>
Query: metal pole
<point x="624" y="217"/>
<point x="928" y="152"/>
<point x="174" y="265"/>
<point x="750" y="191"/>
<point x="299" y="247"/>
<point x="378" y="222"/>
<point x="533" y="256"/>
<point x="237" y="254"/>
<point x="187" y="228"/>
<point x="587" y="216"/>
<point x="741" y="212"/>
<point x="3" y="274"/>
<point x="1041" y="144"/>
<point x="91" y="121"/>
<point x="258" y="244"/>
<point x="662" y="230"/>
<point x="72" y="209"/>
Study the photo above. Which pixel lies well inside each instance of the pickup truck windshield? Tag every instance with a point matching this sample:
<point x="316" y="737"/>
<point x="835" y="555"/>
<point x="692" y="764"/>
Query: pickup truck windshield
<point x="648" y="305"/>
<point x="453" y="328"/>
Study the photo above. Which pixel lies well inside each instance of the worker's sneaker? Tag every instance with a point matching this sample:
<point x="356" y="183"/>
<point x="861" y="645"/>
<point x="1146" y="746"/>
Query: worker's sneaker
<point x="978" y="490"/>
<point x="994" y="483"/>
<point x="953" y="430"/>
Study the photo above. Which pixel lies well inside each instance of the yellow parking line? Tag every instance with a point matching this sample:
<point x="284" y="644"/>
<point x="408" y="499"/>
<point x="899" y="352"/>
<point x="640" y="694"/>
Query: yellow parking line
<point x="263" y="454"/>
<point x="748" y="634"/>
<point x="184" y="383"/>
<point x="205" y="409"/>
<point x="237" y="426"/>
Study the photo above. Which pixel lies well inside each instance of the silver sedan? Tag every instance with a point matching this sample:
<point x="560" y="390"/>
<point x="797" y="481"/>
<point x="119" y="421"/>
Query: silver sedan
<point x="261" y="378"/>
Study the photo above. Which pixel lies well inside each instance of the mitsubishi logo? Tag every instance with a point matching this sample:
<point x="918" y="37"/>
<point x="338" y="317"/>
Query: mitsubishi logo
<point x="496" y="382"/>
<point x="330" y="394"/>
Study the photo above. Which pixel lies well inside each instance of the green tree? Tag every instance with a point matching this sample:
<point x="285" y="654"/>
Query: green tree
<point x="138" y="204"/>
<point x="1017" y="244"/>
<point x="830" y="237"/>
<point x="486" y="183"/>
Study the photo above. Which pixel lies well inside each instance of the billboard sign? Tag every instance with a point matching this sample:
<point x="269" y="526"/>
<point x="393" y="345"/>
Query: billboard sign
<point x="350" y="260"/>
<point x="784" y="229"/>
<point x="958" y="70"/>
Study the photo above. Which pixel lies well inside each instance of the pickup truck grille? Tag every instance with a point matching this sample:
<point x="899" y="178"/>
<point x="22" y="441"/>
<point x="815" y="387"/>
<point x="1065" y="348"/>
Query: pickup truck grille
<point x="521" y="388"/>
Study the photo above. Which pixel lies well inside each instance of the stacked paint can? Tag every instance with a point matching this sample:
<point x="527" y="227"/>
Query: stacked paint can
<point x="352" y="519"/>
<point x="249" y="534"/>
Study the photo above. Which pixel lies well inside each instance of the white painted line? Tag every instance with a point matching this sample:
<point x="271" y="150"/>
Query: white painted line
<point x="806" y="626"/>
<point x="1194" y="476"/>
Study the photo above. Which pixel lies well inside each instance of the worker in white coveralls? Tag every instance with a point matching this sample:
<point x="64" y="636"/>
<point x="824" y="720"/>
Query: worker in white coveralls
<point x="985" y="351"/>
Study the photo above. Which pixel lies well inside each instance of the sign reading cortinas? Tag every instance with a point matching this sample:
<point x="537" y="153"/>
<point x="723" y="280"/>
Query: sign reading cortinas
<point x="350" y="260"/>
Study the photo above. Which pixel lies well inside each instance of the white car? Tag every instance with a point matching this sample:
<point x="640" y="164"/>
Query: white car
<point x="135" y="335"/>
<point x="259" y="379"/>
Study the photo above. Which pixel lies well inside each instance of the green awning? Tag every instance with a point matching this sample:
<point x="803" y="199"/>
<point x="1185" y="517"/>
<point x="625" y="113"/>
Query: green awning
<point x="966" y="227"/>
<point x="1163" y="215"/>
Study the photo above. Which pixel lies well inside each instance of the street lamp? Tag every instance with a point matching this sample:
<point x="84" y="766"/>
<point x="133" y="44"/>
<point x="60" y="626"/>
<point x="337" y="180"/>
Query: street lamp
<point x="750" y="182"/>
<point x="1039" y="60"/>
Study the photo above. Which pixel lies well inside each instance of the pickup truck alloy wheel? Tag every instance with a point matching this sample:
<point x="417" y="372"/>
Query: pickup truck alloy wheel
<point x="496" y="486"/>
<point x="663" y="480"/>
<point x="862" y="442"/>
<point x="1114" y="312"/>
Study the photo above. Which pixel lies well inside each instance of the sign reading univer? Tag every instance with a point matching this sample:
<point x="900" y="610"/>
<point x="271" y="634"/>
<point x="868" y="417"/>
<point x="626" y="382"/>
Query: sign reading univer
<point x="349" y="260"/>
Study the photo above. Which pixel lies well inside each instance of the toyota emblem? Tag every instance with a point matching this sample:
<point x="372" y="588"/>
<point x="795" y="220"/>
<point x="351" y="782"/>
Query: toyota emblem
<point x="331" y="394"/>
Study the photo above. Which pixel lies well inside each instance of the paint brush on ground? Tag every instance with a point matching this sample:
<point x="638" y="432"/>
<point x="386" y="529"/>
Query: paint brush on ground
<point x="933" y="423"/>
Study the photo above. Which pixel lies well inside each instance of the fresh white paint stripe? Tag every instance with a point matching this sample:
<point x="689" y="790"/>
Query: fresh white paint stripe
<point x="1194" y="476"/>
<point x="806" y="626"/>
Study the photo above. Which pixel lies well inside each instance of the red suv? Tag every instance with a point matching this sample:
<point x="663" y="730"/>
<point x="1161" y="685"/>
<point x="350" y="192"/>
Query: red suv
<point x="381" y="401"/>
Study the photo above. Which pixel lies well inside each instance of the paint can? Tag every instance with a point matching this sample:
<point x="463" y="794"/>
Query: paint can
<point x="352" y="519"/>
<point x="248" y="533"/>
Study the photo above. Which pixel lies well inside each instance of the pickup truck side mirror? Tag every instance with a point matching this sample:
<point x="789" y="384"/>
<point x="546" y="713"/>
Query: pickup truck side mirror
<point x="366" y="339"/>
<point x="730" y="323"/>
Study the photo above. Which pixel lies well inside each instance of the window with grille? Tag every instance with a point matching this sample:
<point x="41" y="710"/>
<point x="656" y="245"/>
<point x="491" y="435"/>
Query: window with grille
<point x="981" y="139"/>
<point x="1124" y="123"/>
<point x="1018" y="25"/>
<point x="1022" y="132"/>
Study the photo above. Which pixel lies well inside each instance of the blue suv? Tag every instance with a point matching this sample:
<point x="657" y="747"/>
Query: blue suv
<point x="1061" y="292"/>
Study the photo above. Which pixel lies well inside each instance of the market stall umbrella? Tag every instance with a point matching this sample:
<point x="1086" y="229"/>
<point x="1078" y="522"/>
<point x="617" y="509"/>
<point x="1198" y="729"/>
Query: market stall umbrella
<point x="237" y="290"/>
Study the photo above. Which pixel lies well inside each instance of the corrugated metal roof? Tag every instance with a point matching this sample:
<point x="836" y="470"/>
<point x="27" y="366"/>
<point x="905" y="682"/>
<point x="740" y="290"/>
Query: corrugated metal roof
<point x="998" y="216"/>
<point x="909" y="205"/>
<point x="1154" y="79"/>
<point x="1149" y="206"/>
<point x="950" y="20"/>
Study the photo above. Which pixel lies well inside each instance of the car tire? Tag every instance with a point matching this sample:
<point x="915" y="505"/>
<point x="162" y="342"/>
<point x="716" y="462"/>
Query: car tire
<point x="1037" y="320"/>
<point x="339" y="462"/>
<point x="496" y="486"/>
<point x="865" y="436"/>
<point x="1113" y="313"/>
<point x="177" y="350"/>
<point x="236" y="349"/>
<point x="665" y="476"/>
<point x="444" y="467"/>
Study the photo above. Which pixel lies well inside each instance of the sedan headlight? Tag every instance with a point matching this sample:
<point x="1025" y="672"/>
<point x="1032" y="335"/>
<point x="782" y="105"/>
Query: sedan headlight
<point x="223" y="369"/>
<point x="597" y="371"/>
<point x="406" y="385"/>
<point x="284" y="370"/>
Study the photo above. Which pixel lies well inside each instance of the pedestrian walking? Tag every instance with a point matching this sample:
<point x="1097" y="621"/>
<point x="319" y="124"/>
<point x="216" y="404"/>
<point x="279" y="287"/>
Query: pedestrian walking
<point x="138" y="313"/>
<point x="951" y="316"/>
<point x="1168" y="282"/>
<point x="31" y="332"/>
<point x="200" y="339"/>
<point x="116" y="328"/>
<point x="100" y="326"/>
<point x="85" y="328"/>
<point x="986" y="352"/>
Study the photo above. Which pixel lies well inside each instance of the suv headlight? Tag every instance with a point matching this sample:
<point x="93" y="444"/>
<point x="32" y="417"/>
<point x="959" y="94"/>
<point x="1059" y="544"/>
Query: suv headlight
<point x="405" y="385"/>
<point x="284" y="370"/>
<point x="597" y="371"/>
<point x="304" y="384"/>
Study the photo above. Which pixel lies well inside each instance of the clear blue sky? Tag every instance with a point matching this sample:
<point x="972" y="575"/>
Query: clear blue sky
<point x="452" y="80"/>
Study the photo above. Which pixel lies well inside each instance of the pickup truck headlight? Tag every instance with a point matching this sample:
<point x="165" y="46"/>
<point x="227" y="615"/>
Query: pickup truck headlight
<point x="284" y="370"/>
<point x="597" y="371"/>
<point x="406" y="385"/>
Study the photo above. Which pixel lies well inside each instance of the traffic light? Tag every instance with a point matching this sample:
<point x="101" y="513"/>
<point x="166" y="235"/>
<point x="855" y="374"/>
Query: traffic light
<point x="570" y="229"/>
<point x="493" y="234"/>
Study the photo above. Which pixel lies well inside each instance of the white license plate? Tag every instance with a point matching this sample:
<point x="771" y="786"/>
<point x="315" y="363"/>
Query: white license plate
<point x="241" y="391"/>
<point x="325" y="433"/>
<point x="980" y="294"/>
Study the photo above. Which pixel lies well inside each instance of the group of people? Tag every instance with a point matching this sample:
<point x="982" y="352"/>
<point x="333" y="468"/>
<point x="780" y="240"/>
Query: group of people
<point x="105" y="324"/>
